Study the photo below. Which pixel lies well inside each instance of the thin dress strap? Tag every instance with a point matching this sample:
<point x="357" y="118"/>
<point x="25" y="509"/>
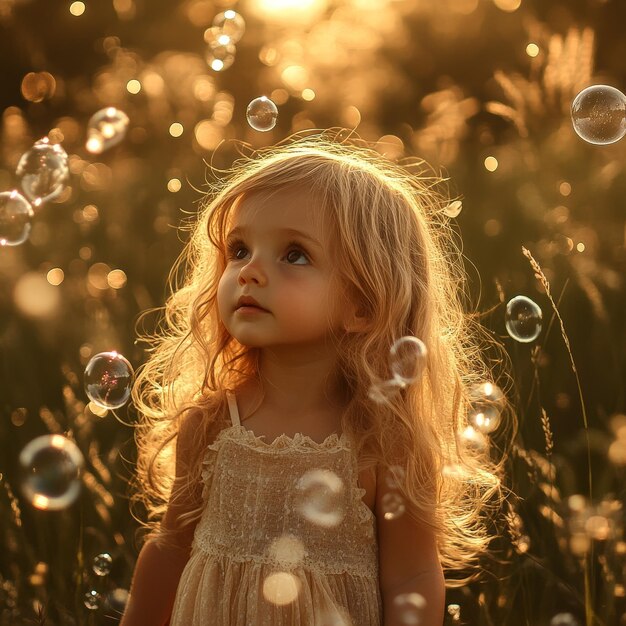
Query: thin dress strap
<point x="232" y="407"/>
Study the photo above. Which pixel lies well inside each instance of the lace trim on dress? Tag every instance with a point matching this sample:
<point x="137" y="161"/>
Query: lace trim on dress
<point x="299" y="442"/>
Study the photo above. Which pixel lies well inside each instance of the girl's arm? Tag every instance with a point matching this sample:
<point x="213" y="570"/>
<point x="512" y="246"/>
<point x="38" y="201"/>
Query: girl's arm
<point x="158" y="568"/>
<point x="408" y="563"/>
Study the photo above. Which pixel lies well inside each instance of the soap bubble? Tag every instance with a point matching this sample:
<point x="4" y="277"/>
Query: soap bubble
<point x="220" y="56"/>
<point x="473" y="440"/>
<point x="16" y="215"/>
<point x="408" y="358"/>
<point x="382" y="391"/>
<point x="453" y="209"/>
<point x="392" y="505"/>
<point x="231" y="24"/>
<point x="409" y="608"/>
<point x="454" y="610"/>
<point x="523" y="319"/>
<point x="43" y="171"/>
<point x="486" y="403"/>
<point x="51" y="466"/>
<point x="117" y="599"/>
<point x="281" y="588"/>
<point x="599" y="114"/>
<point x="106" y="128"/>
<point x="101" y="564"/>
<point x="262" y="114"/>
<point x="92" y="600"/>
<point x="564" y="619"/>
<point x="108" y="378"/>
<point x="320" y="497"/>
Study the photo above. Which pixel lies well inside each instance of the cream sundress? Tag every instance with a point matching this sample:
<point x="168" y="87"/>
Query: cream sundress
<point x="256" y="560"/>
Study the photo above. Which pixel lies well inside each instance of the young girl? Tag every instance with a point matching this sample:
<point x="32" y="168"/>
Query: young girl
<point x="281" y="490"/>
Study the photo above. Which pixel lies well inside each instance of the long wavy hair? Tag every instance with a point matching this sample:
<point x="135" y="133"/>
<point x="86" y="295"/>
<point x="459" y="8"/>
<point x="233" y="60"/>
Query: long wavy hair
<point x="395" y="253"/>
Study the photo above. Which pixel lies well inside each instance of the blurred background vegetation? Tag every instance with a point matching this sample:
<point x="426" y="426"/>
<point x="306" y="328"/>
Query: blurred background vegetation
<point x="480" y="89"/>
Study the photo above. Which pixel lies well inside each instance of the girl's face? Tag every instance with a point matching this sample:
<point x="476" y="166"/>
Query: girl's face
<point x="287" y="272"/>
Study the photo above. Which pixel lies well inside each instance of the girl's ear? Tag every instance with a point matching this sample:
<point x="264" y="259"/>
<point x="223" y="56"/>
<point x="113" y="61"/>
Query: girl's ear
<point x="356" y="322"/>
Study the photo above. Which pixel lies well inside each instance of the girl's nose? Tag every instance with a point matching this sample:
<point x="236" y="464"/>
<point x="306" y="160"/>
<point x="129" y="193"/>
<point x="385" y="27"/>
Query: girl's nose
<point x="252" y="273"/>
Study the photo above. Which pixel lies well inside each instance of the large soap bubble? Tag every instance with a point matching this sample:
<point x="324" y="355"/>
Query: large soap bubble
<point x="262" y="114"/>
<point x="523" y="319"/>
<point x="51" y="466"/>
<point x="16" y="215"/>
<point x="108" y="379"/>
<point x="599" y="114"/>
<point x="106" y="128"/>
<point x="320" y="497"/>
<point x="408" y="358"/>
<point x="43" y="171"/>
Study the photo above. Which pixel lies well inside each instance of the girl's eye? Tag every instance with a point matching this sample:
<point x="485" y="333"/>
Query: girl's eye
<point x="298" y="253"/>
<point x="294" y="252"/>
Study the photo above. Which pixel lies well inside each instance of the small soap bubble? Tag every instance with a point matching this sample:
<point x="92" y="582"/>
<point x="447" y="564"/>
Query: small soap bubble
<point x="523" y="319"/>
<point x="395" y="476"/>
<point x="102" y="564"/>
<point x="599" y="114"/>
<point x="108" y="378"/>
<point x="474" y="440"/>
<point x="43" y="171"/>
<point x="320" y="497"/>
<point x="453" y="209"/>
<point x="408" y="358"/>
<point x="117" y="599"/>
<point x="281" y="588"/>
<point x="220" y="56"/>
<point x="287" y="550"/>
<point x="333" y="616"/>
<point x="231" y="24"/>
<point x="51" y="467"/>
<point x="92" y="600"/>
<point x="382" y="392"/>
<point x="392" y="505"/>
<point x="409" y="607"/>
<point x="454" y="610"/>
<point x="564" y="619"/>
<point x="486" y="404"/>
<point x="16" y="216"/>
<point x="106" y="128"/>
<point x="262" y="114"/>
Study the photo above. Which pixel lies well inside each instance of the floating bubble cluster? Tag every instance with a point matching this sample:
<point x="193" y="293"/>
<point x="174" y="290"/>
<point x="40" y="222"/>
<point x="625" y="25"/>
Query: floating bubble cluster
<point x="262" y="114"/>
<point x="599" y="114"/>
<point x="108" y="378"/>
<point x="106" y="128"/>
<point x="51" y="466"/>
<point x="16" y="216"/>
<point x="523" y="319"/>
<point x="43" y="171"/>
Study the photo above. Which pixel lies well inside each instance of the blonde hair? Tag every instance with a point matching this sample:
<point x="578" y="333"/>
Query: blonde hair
<point x="394" y="252"/>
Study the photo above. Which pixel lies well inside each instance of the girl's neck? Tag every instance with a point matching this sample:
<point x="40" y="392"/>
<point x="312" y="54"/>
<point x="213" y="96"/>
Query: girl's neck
<point x="297" y="384"/>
